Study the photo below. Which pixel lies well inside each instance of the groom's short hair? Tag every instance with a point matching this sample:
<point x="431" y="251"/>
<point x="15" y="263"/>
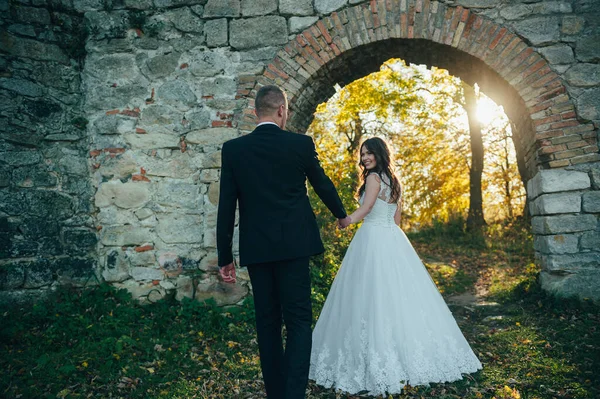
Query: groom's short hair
<point x="268" y="99"/>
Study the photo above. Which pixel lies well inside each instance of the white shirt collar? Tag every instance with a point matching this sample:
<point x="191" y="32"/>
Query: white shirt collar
<point x="267" y="123"/>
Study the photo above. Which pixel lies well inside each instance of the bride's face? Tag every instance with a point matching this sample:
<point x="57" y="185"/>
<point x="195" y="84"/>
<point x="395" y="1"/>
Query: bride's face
<point x="367" y="158"/>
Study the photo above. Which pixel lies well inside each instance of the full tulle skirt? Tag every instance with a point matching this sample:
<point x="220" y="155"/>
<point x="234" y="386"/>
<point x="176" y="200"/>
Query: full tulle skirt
<point x="384" y="323"/>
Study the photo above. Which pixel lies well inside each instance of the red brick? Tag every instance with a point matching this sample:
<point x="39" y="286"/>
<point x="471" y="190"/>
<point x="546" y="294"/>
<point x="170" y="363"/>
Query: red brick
<point x="94" y="153"/>
<point x="139" y="130"/>
<point x="222" y="124"/>
<point x="144" y="248"/>
<point x="551" y="149"/>
<point x="548" y="119"/>
<point x="112" y="112"/>
<point x="564" y="124"/>
<point x="114" y="150"/>
<point x="140" y="178"/>
<point x="497" y="39"/>
<point x="324" y="32"/>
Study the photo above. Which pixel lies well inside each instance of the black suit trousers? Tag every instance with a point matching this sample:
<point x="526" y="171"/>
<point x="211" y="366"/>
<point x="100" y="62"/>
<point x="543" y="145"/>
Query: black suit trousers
<point x="282" y="293"/>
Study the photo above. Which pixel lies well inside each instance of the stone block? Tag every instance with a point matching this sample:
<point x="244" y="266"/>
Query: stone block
<point x="179" y="228"/>
<point x="214" y="136"/>
<point x="38" y="273"/>
<point x="12" y="275"/>
<point x="49" y="204"/>
<point x="35" y="176"/>
<point x="549" y="204"/>
<point x="328" y="6"/>
<point x="198" y="119"/>
<point x="584" y="75"/>
<point x="79" y="241"/>
<point x="179" y="195"/>
<point x="185" y="20"/>
<point x="146" y="273"/>
<point x="33" y="15"/>
<point x="125" y="235"/>
<point x="116" y="266"/>
<point x="114" y="124"/>
<point x="557" y="244"/>
<point x="162" y="65"/>
<point x="587" y="49"/>
<point x="11" y="203"/>
<point x="152" y="141"/>
<point x="571" y="263"/>
<point x="74" y="165"/>
<point x="591" y="240"/>
<point x="516" y="11"/>
<point x="583" y="284"/>
<point x="20" y="158"/>
<point x="74" y="271"/>
<point x="258" y="32"/>
<point x="88" y="5"/>
<point x="220" y="87"/>
<point x="477" y="3"/>
<point x="208" y="63"/>
<point x="177" y="93"/>
<point x="254" y="8"/>
<point x="21" y="86"/>
<point x="216" y="32"/>
<point x="572" y="24"/>
<point x="209" y="176"/>
<point x="591" y="202"/>
<point x="124" y="195"/>
<point x="32" y="49"/>
<point x="23" y="30"/>
<point x="176" y="3"/>
<point x="222" y="293"/>
<point x="222" y="8"/>
<point x="539" y="30"/>
<point x="112" y="68"/>
<point x="298" y="24"/>
<point x="296" y="7"/>
<point x="556" y="180"/>
<point x="4" y="177"/>
<point x="595" y="176"/>
<point x="563" y="224"/>
<point x="588" y="104"/>
<point x="558" y="54"/>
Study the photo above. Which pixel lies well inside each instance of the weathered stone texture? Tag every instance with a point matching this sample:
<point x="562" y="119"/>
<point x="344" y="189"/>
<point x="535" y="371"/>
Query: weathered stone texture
<point x="563" y="224"/>
<point x="256" y="32"/>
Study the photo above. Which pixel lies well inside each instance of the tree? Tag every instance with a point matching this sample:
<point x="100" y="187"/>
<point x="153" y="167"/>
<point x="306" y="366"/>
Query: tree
<point x="475" y="220"/>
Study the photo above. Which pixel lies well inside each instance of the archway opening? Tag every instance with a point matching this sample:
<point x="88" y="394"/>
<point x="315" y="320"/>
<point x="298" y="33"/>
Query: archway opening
<point x="424" y="115"/>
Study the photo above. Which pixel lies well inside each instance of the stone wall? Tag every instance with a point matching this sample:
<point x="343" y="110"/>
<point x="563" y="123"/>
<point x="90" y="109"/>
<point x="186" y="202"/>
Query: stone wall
<point x="47" y="232"/>
<point x="164" y="83"/>
<point x="565" y="204"/>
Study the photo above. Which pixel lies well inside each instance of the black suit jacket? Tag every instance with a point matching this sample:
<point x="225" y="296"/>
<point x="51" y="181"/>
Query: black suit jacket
<point x="265" y="173"/>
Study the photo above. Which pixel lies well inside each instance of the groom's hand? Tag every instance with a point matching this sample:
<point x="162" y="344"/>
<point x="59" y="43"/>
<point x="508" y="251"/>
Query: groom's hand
<point x="345" y="222"/>
<point x="227" y="273"/>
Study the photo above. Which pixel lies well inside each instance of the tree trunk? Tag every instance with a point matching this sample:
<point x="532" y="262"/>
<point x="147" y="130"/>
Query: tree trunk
<point x="475" y="220"/>
<point x="523" y="172"/>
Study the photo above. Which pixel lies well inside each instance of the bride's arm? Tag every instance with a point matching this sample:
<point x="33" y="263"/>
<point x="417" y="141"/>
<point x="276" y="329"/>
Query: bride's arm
<point x="371" y="193"/>
<point x="398" y="214"/>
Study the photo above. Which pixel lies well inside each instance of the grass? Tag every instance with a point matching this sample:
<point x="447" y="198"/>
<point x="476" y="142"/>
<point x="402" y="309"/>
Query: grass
<point x="99" y="343"/>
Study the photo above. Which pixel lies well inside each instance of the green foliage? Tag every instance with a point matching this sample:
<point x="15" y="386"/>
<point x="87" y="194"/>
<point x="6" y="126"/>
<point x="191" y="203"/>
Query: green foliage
<point x="421" y="115"/>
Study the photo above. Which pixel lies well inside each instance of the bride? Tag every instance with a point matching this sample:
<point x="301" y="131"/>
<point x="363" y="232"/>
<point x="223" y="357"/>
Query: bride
<point x="384" y="324"/>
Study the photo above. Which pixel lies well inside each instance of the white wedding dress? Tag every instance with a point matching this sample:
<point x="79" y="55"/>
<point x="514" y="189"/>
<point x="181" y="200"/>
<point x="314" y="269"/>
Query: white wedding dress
<point x="384" y="323"/>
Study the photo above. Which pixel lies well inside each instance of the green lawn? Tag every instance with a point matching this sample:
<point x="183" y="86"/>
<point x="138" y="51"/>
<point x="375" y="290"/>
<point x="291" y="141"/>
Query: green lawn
<point x="98" y="343"/>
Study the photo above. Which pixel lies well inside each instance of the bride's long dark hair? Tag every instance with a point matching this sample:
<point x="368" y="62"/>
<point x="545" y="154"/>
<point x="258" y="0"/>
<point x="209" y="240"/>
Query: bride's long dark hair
<point x="380" y="149"/>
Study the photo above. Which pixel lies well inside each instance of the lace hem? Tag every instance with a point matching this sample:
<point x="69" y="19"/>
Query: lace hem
<point x="357" y="368"/>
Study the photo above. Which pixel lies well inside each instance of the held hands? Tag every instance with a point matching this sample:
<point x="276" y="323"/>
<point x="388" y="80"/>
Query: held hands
<point x="227" y="273"/>
<point x="345" y="222"/>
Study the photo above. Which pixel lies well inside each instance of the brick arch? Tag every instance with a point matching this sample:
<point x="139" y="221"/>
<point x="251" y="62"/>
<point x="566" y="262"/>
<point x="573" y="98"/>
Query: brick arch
<point x="355" y="41"/>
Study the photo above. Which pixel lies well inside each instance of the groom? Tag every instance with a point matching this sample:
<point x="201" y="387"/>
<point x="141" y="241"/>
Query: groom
<point x="265" y="174"/>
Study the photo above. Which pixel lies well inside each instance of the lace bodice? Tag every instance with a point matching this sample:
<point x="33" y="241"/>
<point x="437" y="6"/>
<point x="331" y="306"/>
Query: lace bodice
<point x="383" y="211"/>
